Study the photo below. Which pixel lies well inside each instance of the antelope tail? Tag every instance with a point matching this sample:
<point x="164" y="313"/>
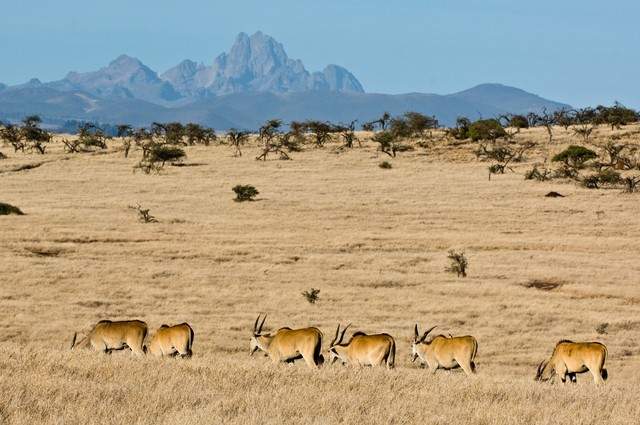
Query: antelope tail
<point x="391" y="359"/>
<point x="603" y="371"/>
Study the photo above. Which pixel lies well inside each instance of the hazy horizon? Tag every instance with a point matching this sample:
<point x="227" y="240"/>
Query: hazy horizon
<point x="442" y="48"/>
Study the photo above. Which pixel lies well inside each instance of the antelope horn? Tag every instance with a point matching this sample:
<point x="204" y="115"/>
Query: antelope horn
<point x="255" y="325"/>
<point x="539" y="370"/>
<point x="416" y="334"/>
<point x="342" y="334"/>
<point x="73" y="341"/>
<point x="262" y="323"/>
<point x="335" y="338"/>
<point x="424" y="336"/>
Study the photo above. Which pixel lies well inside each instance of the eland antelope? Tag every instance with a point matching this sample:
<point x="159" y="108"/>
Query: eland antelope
<point x="363" y="349"/>
<point x="108" y="336"/>
<point x="441" y="352"/>
<point x="172" y="340"/>
<point x="287" y="345"/>
<point x="570" y="358"/>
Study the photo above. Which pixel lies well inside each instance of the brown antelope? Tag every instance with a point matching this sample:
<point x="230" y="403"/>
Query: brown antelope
<point x="569" y="358"/>
<point x="363" y="349"/>
<point x="288" y="345"/>
<point x="108" y="336"/>
<point x="172" y="340"/>
<point x="441" y="352"/>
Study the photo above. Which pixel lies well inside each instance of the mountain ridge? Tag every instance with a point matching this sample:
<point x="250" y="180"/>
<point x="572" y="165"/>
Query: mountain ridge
<point x="252" y="82"/>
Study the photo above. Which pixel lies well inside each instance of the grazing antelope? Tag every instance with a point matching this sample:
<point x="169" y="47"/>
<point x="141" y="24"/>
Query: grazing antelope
<point x="108" y="336"/>
<point x="569" y="358"/>
<point x="442" y="352"/>
<point x="363" y="349"/>
<point x="172" y="340"/>
<point x="287" y="345"/>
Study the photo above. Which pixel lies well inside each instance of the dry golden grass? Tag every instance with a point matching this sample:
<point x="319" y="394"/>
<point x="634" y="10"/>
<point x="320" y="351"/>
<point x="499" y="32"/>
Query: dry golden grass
<point x="374" y="242"/>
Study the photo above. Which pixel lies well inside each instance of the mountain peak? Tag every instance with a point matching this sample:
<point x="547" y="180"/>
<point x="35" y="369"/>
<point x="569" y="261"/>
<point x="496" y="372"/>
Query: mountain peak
<point x="257" y="63"/>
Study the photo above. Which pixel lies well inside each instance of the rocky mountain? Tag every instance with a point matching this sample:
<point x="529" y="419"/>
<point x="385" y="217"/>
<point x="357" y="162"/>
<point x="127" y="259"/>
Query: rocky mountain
<point x="257" y="63"/>
<point x="124" y="78"/>
<point x="242" y="88"/>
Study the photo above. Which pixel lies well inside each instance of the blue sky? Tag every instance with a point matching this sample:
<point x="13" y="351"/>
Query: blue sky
<point x="579" y="52"/>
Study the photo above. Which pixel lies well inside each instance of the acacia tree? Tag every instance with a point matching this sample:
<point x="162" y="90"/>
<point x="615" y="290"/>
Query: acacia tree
<point x="546" y="120"/>
<point x="237" y="138"/>
<point x="348" y="134"/>
<point x="273" y="140"/>
<point x="321" y="131"/>
<point x="11" y="134"/>
<point x="35" y="137"/>
<point x="125" y="132"/>
<point x="197" y="134"/>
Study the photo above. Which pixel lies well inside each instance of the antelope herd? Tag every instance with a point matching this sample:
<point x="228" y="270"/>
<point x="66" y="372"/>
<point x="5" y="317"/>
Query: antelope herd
<point x="287" y="345"/>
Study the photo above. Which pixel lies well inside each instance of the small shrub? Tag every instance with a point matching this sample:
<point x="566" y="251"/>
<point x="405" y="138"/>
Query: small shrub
<point x="631" y="184"/>
<point x="606" y="177"/>
<point x="459" y="263"/>
<point x="143" y="214"/>
<point x="602" y="328"/>
<point x="543" y="284"/>
<point x="540" y="174"/>
<point x="575" y="156"/>
<point x="312" y="295"/>
<point x="245" y="193"/>
<point x="385" y="165"/>
<point x="486" y="130"/>
<point x="8" y="209"/>
<point x="3" y="156"/>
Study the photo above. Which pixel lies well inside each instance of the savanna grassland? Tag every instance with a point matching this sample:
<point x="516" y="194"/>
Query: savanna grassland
<point x="374" y="241"/>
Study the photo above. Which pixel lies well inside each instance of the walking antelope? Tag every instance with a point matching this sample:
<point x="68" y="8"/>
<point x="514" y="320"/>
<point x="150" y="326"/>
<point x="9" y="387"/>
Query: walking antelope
<point x="569" y="358"/>
<point x="287" y="345"/>
<point x="363" y="349"/>
<point x="172" y="340"/>
<point x="445" y="352"/>
<point x="108" y="336"/>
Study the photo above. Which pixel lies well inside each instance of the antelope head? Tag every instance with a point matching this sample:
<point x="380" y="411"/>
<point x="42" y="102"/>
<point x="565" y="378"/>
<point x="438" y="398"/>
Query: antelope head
<point x="418" y="340"/>
<point x="544" y="373"/>
<point x="334" y="351"/>
<point x="255" y="343"/>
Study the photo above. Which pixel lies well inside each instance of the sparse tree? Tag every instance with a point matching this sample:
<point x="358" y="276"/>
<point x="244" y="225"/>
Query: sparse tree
<point x="237" y="138"/>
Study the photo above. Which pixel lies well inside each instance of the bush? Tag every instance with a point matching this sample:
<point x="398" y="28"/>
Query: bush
<point x="606" y="177"/>
<point x="575" y="156"/>
<point x="540" y="174"/>
<point x="385" y="165"/>
<point x="519" y="122"/>
<point x="486" y="130"/>
<point x="245" y="193"/>
<point x="312" y="295"/>
<point x="144" y="216"/>
<point x="458" y="264"/>
<point x="8" y="209"/>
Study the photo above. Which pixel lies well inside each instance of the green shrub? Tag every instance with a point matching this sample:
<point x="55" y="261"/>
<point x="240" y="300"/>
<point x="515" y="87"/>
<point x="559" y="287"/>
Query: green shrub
<point x="312" y="295"/>
<point x="486" y="130"/>
<point x="166" y="153"/>
<point x="606" y="177"/>
<point x="575" y="156"/>
<point x="8" y="209"/>
<point x="385" y="165"/>
<point x="459" y="263"/>
<point x="245" y="193"/>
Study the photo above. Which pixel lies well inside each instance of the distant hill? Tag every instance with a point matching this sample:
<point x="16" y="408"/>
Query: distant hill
<point x="253" y="82"/>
